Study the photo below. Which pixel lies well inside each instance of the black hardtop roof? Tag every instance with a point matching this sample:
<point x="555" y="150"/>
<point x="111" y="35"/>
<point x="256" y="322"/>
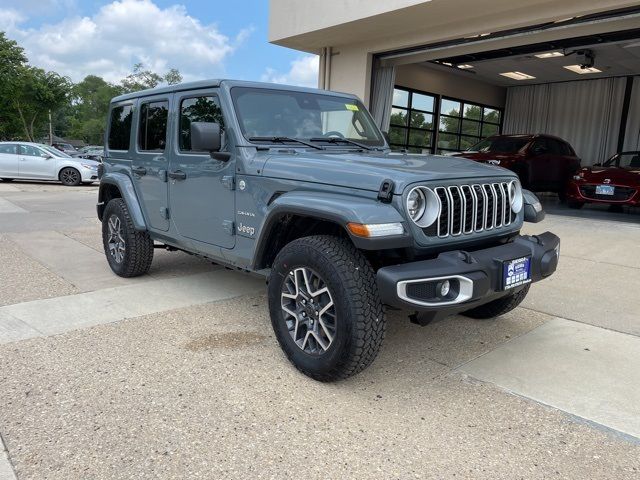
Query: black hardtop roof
<point x="200" y="84"/>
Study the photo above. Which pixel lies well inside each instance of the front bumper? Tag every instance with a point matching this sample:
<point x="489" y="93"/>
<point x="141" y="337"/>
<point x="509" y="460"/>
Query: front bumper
<point x="476" y="277"/>
<point x="89" y="174"/>
<point x="628" y="195"/>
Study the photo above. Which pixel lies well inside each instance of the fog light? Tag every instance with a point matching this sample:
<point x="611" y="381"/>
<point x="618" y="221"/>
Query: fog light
<point x="444" y="288"/>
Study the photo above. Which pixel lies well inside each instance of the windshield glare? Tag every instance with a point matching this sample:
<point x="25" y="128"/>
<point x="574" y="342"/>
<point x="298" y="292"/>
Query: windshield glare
<point x="54" y="151"/>
<point x="499" y="144"/>
<point x="624" y="160"/>
<point x="281" y="113"/>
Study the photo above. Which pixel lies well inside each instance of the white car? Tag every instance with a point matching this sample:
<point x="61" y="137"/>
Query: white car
<point x="34" y="161"/>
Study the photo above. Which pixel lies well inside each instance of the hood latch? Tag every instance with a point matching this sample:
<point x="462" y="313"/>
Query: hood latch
<point x="385" y="193"/>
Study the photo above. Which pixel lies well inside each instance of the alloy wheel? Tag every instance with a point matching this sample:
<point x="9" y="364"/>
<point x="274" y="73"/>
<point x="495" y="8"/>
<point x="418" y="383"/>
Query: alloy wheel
<point x="309" y="311"/>
<point x="70" y="176"/>
<point x="115" y="240"/>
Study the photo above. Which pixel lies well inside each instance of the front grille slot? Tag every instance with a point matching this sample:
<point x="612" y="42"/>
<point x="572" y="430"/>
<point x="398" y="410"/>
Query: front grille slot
<point x="466" y="209"/>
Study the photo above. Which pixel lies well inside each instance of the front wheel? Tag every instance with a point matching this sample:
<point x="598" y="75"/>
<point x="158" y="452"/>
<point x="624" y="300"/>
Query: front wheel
<point x="70" y="177"/>
<point x="500" y="306"/>
<point x="129" y="251"/>
<point x="324" y="307"/>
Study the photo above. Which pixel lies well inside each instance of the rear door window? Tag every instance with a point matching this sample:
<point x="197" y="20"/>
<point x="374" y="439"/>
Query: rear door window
<point x="120" y="127"/>
<point x="152" y="127"/>
<point x="8" y="148"/>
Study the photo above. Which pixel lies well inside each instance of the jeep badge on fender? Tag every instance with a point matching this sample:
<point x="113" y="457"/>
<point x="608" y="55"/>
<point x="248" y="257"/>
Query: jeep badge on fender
<point x="300" y="186"/>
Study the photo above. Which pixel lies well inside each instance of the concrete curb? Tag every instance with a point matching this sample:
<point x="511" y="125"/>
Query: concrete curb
<point x="6" y="469"/>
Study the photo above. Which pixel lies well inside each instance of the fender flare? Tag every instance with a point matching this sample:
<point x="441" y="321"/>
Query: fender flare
<point x="336" y="208"/>
<point x="124" y="184"/>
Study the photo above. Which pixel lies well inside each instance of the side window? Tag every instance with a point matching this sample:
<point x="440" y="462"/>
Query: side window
<point x="120" y="127"/>
<point x="197" y="109"/>
<point x="555" y="147"/>
<point x="152" y="127"/>
<point x="540" y="147"/>
<point x="30" y="151"/>
<point x="566" y="149"/>
<point x="8" y="148"/>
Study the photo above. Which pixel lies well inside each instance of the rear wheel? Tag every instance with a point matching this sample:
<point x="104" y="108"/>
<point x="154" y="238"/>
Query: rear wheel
<point x="324" y="307"/>
<point x="498" y="307"/>
<point x="129" y="251"/>
<point x="70" y="177"/>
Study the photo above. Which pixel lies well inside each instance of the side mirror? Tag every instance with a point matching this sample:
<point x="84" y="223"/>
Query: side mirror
<point x="533" y="211"/>
<point x="205" y="136"/>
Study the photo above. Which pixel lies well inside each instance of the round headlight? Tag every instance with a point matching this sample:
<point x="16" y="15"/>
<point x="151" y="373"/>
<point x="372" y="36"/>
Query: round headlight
<point x="416" y="204"/>
<point x="423" y="206"/>
<point x="515" y="196"/>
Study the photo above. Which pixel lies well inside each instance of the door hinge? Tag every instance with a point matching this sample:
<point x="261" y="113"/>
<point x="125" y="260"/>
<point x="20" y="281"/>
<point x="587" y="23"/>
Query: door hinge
<point x="162" y="175"/>
<point x="164" y="212"/>
<point x="229" y="226"/>
<point x="229" y="181"/>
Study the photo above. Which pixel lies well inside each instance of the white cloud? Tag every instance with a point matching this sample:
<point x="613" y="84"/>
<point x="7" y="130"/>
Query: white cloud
<point x="303" y="72"/>
<point x="121" y="34"/>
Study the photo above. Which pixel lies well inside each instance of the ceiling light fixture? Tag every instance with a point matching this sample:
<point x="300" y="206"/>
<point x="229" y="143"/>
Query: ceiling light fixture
<point x="549" y="55"/>
<point x="580" y="70"/>
<point x="465" y="66"/>
<point x="517" y="75"/>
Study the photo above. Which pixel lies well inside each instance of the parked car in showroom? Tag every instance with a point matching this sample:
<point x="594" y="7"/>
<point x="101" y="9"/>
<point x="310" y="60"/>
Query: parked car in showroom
<point x="614" y="182"/>
<point x="34" y="161"/>
<point x="544" y="163"/>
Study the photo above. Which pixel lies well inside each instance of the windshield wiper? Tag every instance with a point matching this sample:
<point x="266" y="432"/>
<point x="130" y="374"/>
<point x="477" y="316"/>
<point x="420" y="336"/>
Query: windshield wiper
<point x="284" y="140"/>
<point x="339" y="139"/>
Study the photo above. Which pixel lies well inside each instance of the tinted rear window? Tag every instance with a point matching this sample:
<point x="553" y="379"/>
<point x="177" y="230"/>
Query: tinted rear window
<point x="120" y="127"/>
<point x="500" y="144"/>
<point x="152" y="131"/>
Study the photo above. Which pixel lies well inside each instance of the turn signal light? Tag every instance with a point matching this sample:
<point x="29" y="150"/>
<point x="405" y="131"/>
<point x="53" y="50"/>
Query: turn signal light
<point x="375" y="229"/>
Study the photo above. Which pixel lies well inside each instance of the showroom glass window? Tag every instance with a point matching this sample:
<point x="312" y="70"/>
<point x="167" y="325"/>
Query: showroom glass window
<point x="197" y="109"/>
<point x="152" y="131"/>
<point x="412" y="120"/>
<point x="463" y="124"/>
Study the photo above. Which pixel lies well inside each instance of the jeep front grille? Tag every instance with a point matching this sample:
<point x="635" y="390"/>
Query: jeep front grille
<point x="466" y="209"/>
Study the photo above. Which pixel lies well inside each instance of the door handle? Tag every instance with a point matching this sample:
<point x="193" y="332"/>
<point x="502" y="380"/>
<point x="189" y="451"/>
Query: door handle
<point x="177" y="175"/>
<point x="139" y="170"/>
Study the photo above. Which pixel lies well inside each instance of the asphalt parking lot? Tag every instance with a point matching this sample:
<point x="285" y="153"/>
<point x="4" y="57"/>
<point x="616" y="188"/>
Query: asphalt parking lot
<point x="178" y="375"/>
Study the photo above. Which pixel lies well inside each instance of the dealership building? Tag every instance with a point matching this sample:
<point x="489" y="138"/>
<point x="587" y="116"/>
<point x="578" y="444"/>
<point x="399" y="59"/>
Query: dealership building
<point x="440" y="75"/>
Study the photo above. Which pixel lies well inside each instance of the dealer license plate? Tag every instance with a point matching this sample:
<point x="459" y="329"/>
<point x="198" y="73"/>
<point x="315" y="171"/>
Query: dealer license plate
<point x="605" y="190"/>
<point x="516" y="272"/>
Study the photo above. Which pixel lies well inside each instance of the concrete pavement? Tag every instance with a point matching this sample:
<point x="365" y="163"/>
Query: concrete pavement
<point x="177" y="374"/>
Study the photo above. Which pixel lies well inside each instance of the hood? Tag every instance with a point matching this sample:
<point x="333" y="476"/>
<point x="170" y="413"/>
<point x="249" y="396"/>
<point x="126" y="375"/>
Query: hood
<point x="368" y="170"/>
<point x="613" y="175"/>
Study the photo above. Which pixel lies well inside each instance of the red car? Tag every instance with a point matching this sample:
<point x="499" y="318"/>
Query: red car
<point x="544" y="163"/>
<point x="616" y="182"/>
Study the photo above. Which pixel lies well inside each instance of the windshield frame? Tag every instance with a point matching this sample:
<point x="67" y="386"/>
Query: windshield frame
<point x="614" y="160"/>
<point x="379" y="143"/>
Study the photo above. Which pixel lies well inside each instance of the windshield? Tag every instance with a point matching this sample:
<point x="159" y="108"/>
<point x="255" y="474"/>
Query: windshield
<point x="54" y="151"/>
<point x="271" y="113"/>
<point x="624" y="160"/>
<point x="499" y="144"/>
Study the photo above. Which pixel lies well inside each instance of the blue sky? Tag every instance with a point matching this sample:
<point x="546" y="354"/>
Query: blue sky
<point x="203" y="39"/>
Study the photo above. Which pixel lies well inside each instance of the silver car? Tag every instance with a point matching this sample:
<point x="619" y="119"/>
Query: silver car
<point x="34" y="161"/>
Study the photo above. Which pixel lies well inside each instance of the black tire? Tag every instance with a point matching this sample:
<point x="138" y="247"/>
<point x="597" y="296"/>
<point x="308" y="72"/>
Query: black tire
<point x="574" y="204"/>
<point x="498" y="307"/>
<point x="70" y="177"/>
<point x="7" y="179"/>
<point x="359" y="319"/>
<point x="138" y="246"/>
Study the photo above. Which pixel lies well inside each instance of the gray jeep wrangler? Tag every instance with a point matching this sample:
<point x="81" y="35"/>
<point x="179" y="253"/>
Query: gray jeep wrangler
<point x="299" y="186"/>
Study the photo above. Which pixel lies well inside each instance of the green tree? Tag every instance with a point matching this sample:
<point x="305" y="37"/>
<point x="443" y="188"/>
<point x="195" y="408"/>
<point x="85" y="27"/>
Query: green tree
<point x="142" y="79"/>
<point x="12" y="59"/>
<point x="35" y="94"/>
<point x="89" y="107"/>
